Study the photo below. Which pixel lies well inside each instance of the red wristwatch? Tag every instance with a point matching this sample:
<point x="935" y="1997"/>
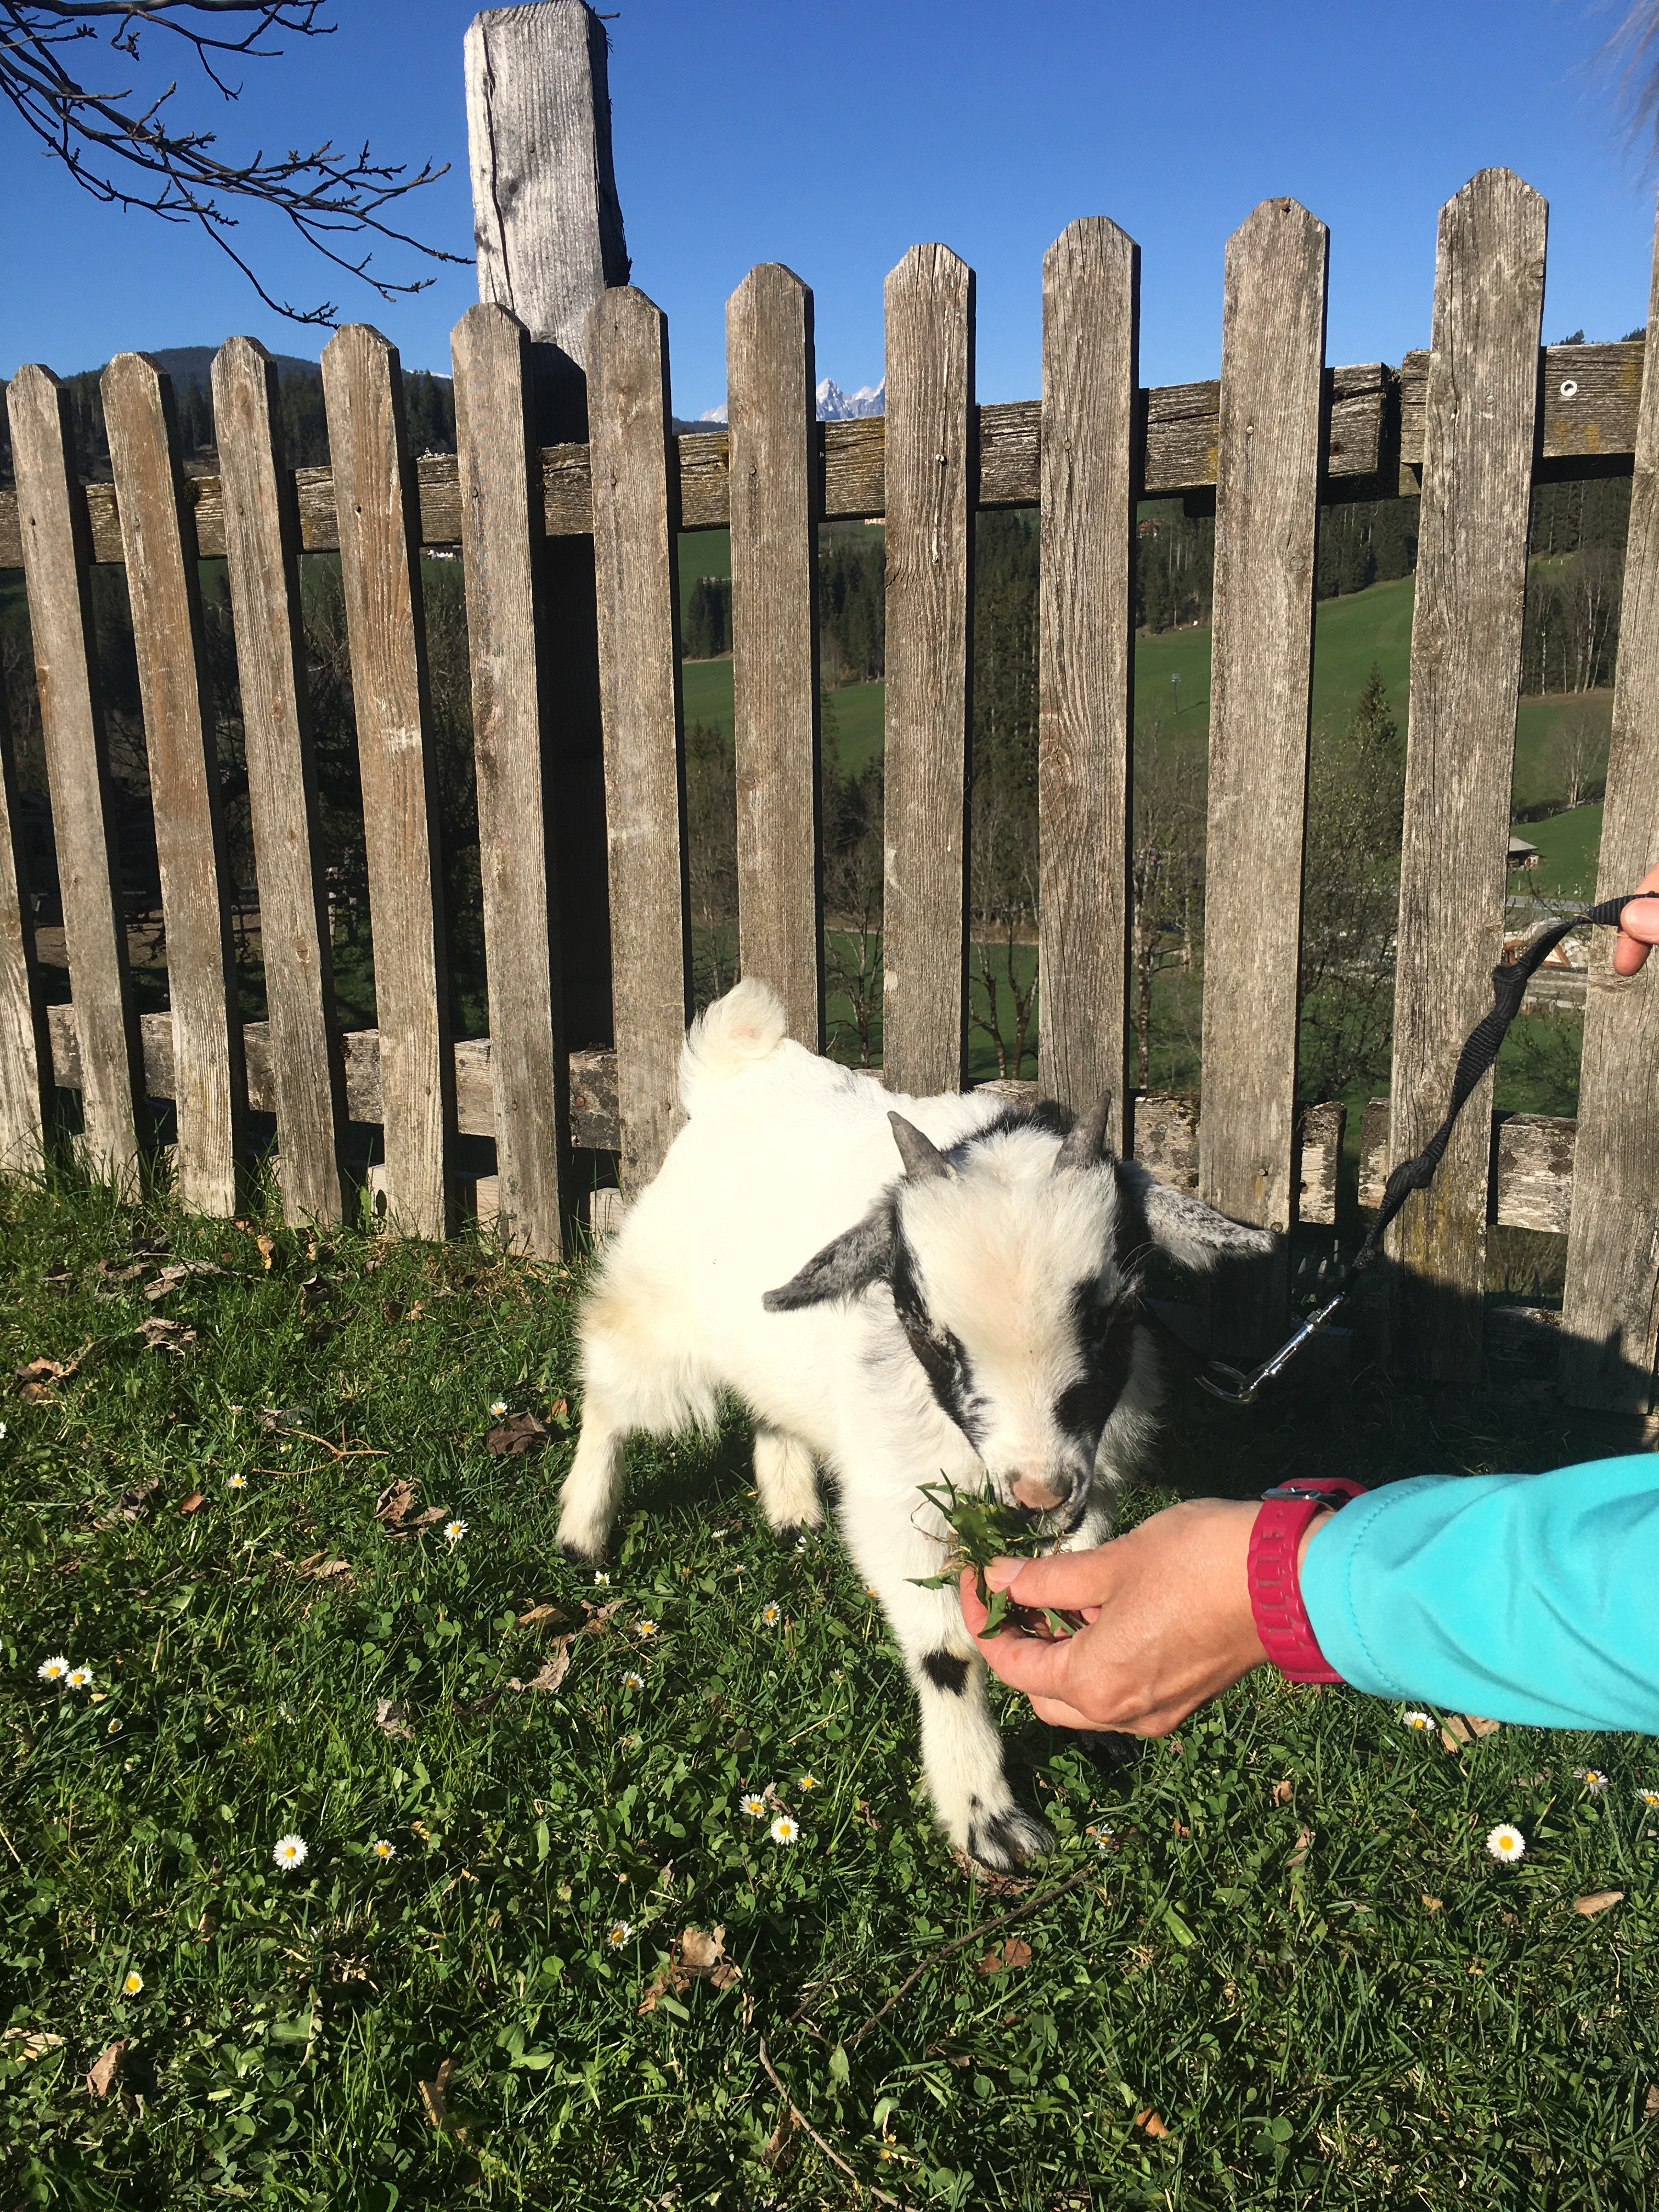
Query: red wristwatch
<point x="1281" y="1617"/>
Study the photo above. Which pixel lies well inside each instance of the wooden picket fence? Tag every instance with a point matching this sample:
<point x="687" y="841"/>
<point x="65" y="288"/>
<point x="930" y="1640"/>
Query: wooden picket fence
<point x="1472" y="423"/>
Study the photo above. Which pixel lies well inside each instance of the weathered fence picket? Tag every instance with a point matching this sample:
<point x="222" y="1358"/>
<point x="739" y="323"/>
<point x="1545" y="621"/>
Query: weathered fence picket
<point x="1479" y="430"/>
<point x="517" y="806"/>
<point x="262" y="550"/>
<point x="1085" y="631"/>
<point x="164" y="591"/>
<point x="550" y="531"/>
<point x="24" y="1048"/>
<point x="1610" y="1311"/>
<point x="53" y="519"/>
<point x="770" y="379"/>
<point x="385" y="630"/>
<point x="1273" y="362"/>
<point x="633" y="525"/>
<point x="930" y="453"/>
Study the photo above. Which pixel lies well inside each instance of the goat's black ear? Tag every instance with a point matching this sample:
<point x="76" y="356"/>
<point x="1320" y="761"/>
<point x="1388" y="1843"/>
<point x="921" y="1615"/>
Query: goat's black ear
<point x="1188" y="1229"/>
<point x="850" y="1263"/>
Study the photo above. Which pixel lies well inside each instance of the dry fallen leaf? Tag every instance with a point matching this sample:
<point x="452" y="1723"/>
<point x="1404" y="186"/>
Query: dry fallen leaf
<point x="389" y="1715"/>
<point x="141" y="1498"/>
<point x="1303" y="1840"/>
<point x="511" y="1439"/>
<point x="1282" y="1792"/>
<point x="394" y="1501"/>
<point x="1459" y="1730"/>
<point x="180" y="1271"/>
<point x="29" y="2042"/>
<point x="553" y="1668"/>
<point x="1002" y="1958"/>
<point x="598" y="1616"/>
<point x="1431" y="1904"/>
<point x="194" y="1503"/>
<point x="989" y="1884"/>
<point x="101" y="2077"/>
<point x="779" y="2151"/>
<point x="696" y="1957"/>
<point x="36" y="1375"/>
<point x="1650" y="2110"/>
<point x="540" y="1612"/>
<point x="1597" y="1901"/>
<point x="267" y="1245"/>
<point x="163" y="1336"/>
<point x="433" y="2093"/>
<point x="1150" y="2120"/>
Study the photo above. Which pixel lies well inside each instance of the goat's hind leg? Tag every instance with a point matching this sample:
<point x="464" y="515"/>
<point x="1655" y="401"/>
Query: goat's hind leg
<point x="588" y="1503"/>
<point x="786" y="1474"/>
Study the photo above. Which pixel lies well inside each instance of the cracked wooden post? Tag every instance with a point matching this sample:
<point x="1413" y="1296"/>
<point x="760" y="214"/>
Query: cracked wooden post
<point x="549" y="233"/>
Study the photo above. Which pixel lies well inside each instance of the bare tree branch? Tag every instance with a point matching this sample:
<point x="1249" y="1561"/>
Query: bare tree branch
<point x="123" y="153"/>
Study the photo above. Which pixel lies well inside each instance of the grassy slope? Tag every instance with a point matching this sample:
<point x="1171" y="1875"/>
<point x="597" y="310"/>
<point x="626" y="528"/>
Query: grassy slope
<point x="1294" y="1947"/>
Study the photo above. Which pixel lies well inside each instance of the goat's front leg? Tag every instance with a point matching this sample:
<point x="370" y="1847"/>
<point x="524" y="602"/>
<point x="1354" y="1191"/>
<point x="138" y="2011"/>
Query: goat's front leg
<point x="961" y="1750"/>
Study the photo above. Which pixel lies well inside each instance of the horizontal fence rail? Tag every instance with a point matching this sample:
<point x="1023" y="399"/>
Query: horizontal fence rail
<point x="1471" y="427"/>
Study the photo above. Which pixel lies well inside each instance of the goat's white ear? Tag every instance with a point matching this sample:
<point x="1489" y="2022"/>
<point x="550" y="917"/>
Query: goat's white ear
<point x="850" y="1263"/>
<point x="1190" y="1232"/>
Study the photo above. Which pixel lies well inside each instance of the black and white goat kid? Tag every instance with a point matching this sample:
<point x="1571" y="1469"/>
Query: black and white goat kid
<point x="964" y="1306"/>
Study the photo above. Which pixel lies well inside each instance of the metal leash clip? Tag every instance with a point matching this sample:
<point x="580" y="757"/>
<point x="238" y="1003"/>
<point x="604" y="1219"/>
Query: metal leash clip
<point x="1234" y="1388"/>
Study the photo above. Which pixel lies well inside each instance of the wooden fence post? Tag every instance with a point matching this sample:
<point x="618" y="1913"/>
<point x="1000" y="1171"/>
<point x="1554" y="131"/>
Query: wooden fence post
<point x="1611" y="1309"/>
<point x="635" y="496"/>
<point x="770" y="379"/>
<point x="550" y="239"/>
<point x="1272" y="361"/>
<point x="378" y="502"/>
<point x="51" y="515"/>
<point x="1091" y="379"/>
<point x="24" y="1047"/>
<point x="158" y="537"/>
<point x="262" y="554"/>
<point x="930" y="463"/>
<point x="1481" y="412"/>
<point x="501" y="541"/>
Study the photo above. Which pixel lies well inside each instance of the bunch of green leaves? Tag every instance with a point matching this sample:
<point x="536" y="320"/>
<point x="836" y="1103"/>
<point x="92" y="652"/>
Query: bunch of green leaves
<point x="984" y="1529"/>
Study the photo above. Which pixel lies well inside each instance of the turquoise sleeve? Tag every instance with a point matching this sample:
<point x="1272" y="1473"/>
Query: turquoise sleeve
<point x="1524" y="1597"/>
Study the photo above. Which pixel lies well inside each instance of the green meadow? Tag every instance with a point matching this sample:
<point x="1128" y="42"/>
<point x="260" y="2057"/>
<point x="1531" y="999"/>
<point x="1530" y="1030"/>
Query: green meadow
<point x="536" y="1953"/>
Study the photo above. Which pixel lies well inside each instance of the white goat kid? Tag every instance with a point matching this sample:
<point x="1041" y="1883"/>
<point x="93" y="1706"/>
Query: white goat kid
<point x="973" y="1317"/>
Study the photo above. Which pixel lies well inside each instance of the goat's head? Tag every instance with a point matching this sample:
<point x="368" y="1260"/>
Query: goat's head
<point x="1014" y="1264"/>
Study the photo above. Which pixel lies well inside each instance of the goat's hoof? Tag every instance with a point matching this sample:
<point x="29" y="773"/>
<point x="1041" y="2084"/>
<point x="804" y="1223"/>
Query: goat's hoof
<point x="1105" y="1748"/>
<point x="574" y="1556"/>
<point x="1004" y="1841"/>
<point x="790" y="1536"/>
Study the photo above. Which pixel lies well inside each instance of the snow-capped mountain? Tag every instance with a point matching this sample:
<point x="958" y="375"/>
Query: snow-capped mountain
<point x="834" y="405"/>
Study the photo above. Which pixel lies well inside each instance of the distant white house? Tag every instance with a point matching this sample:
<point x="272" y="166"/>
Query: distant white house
<point x="1523" y="855"/>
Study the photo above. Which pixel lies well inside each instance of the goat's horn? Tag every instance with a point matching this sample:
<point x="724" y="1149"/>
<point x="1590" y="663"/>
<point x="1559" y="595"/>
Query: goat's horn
<point x="921" y="1154"/>
<point x="1085" y="1144"/>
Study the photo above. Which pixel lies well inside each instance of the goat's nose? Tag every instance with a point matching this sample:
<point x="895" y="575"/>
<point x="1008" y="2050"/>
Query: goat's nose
<point x="1040" y="1492"/>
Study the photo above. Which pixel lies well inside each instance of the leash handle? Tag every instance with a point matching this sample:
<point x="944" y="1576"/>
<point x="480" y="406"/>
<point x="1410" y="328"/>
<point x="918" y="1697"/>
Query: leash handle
<point x="1509" y="980"/>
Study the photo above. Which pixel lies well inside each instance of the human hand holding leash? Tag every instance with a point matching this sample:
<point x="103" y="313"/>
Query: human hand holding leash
<point x="1638" y="928"/>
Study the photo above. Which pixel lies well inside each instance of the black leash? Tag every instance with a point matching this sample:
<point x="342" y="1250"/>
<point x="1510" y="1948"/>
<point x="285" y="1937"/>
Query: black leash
<point x="1480" y="1050"/>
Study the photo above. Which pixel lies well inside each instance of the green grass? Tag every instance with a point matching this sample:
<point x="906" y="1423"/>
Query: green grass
<point x="1293" y="1947"/>
<point x="1569" y="846"/>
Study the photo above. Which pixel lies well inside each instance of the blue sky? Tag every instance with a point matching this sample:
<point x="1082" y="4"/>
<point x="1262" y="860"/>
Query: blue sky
<point x="834" y="138"/>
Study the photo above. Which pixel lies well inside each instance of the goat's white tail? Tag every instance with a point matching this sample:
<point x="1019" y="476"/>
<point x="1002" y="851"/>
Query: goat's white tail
<point x="737" y="1032"/>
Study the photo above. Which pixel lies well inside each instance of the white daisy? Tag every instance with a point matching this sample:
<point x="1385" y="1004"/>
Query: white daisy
<point x="752" y="1803"/>
<point x="771" y="1613"/>
<point x="132" y="1983"/>
<point x="618" y="1932"/>
<point x="807" y="1782"/>
<point x="1506" y="1844"/>
<point x="1412" y="1719"/>
<point x="601" y="1582"/>
<point x="784" y="1830"/>
<point x="382" y="1851"/>
<point x="633" y="1681"/>
<point x="1648" y="1798"/>
<point x="53" y="1669"/>
<point x="498" y="1406"/>
<point x="1593" y="1779"/>
<point x="1102" y="1838"/>
<point x="78" y="1678"/>
<point x="870" y="1591"/>
<point x="454" y="1531"/>
<point x="645" y="1628"/>
<point x="115" y="1727"/>
<point x="237" y="1482"/>
<point x="289" y="1853"/>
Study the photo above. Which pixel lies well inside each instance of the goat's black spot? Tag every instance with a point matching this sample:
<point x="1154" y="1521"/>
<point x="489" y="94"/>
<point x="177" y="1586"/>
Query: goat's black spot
<point x="1104" y="1326"/>
<point x="575" y="1555"/>
<point x="939" y="1353"/>
<point x="1047" y="1116"/>
<point x="945" y="1671"/>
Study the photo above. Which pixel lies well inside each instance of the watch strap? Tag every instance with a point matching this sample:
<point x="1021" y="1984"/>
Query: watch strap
<point x="1281" y="1617"/>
